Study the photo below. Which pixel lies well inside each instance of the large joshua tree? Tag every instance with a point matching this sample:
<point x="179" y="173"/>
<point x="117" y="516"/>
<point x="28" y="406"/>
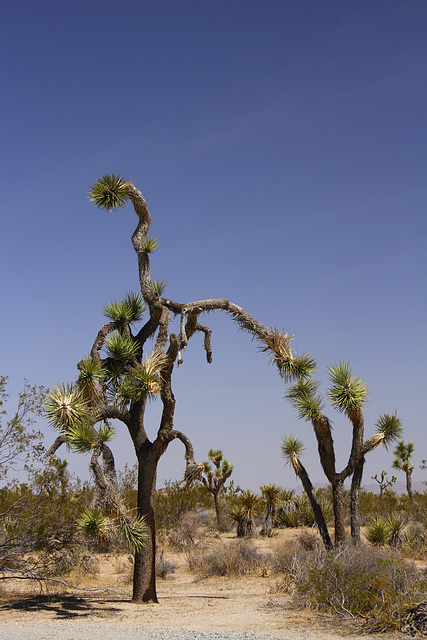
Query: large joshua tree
<point x="118" y="378"/>
<point x="348" y="394"/>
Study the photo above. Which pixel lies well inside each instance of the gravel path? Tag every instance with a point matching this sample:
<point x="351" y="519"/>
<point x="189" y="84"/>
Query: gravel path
<point x="76" y="630"/>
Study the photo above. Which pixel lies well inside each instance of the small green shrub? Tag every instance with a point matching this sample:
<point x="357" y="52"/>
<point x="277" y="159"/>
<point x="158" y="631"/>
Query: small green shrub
<point x="378" y="532"/>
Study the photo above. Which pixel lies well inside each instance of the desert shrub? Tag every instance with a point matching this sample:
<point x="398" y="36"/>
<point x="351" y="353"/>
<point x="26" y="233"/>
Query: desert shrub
<point x="382" y="531"/>
<point x="185" y="533"/>
<point x="172" y="503"/>
<point x="376" y="585"/>
<point x="39" y="537"/>
<point x="237" y="558"/>
<point x="164" y="566"/>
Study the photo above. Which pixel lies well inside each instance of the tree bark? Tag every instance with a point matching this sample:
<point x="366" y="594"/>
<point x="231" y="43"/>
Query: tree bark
<point x="356" y="482"/>
<point x="144" y="582"/>
<point x="339" y="510"/>
<point x="218" y="512"/>
<point x="317" y="509"/>
<point x="269" y="521"/>
<point x="409" y="485"/>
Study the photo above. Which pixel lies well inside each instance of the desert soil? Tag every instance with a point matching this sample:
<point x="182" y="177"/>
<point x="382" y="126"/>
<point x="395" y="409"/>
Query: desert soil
<point x="247" y="604"/>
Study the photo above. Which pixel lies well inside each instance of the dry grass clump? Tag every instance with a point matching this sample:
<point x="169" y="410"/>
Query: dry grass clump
<point x="187" y="532"/>
<point x="238" y="558"/>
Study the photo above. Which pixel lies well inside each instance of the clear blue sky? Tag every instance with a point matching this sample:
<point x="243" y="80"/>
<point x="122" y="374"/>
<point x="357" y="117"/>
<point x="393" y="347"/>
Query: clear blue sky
<point x="281" y="147"/>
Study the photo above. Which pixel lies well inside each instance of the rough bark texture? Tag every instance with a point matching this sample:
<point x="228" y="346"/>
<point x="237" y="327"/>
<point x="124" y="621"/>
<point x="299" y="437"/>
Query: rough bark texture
<point x="339" y="510"/>
<point x="317" y="509"/>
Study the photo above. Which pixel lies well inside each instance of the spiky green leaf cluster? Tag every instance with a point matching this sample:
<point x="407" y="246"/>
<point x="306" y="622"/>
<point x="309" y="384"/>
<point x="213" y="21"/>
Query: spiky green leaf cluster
<point x="291" y="445"/>
<point x="249" y="503"/>
<point x="391" y="427"/>
<point x="106" y="433"/>
<point x="65" y="407"/>
<point x="91" y="374"/>
<point x="126" y="311"/>
<point x="292" y="449"/>
<point x="96" y="525"/>
<point x="271" y="493"/>
<point x="114" y="374"/>
<point x="299" y="368"/>
<point x="149" y="244"/>
<point x="109" y="192"/>
<point x="347" y="393"/>
<point x="143" y="380"/>
<point x="216" y="455"/>
<point x="159" y="286"/>
<point x="305" y="399"/>
<point x="81" y="438"/>
<point x="134" y="532"/>
<point x="120" y="347"/>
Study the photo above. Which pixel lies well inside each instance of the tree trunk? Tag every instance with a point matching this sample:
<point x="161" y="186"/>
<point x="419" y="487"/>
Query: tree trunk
<point x="355" y="502"/>
<point x="269" y="521"/>
<point x="317" y="509"/>
<point x="218" y="512"/>
<point x="144" y="577"/>
<point x="339" y="510"/>
<point x="409" y="485"/>
<point x="246" y="528"/>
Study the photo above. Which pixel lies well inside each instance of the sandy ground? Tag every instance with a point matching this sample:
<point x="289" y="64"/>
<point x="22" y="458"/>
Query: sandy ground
<point x="246" y="604"/>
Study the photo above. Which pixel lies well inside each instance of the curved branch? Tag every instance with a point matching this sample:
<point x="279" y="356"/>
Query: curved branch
<point x="60" y="440"/>
<point x="100" y="339"/>
<point x="192" y="468"/>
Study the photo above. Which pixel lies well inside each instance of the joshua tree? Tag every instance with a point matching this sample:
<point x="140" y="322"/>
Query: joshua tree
<point x="383" y="483"/>
<point x="215" y="480"/>
<point x="292" y="448"/>
<point x="118" y="378"/>
<point x="347" y="393"/>
<point x="243" y="512"/>
<point x="403" y="453"/>
<point x="271" y="494"/>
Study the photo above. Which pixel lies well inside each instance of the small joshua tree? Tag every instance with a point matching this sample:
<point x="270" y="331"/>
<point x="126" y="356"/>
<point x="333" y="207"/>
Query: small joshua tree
<point x="383" y="482"/>
<point x="402" y="461"/>
<point x="244" y="512"/>
<point x="271" y="494"/>
<point x="215" y="479"/>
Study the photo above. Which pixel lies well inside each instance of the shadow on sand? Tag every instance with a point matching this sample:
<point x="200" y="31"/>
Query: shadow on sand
<point x="63" y="606"/>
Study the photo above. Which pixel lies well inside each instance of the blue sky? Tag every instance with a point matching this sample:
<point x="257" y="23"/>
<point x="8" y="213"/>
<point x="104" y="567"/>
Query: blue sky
<point x="281" y="147"/>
